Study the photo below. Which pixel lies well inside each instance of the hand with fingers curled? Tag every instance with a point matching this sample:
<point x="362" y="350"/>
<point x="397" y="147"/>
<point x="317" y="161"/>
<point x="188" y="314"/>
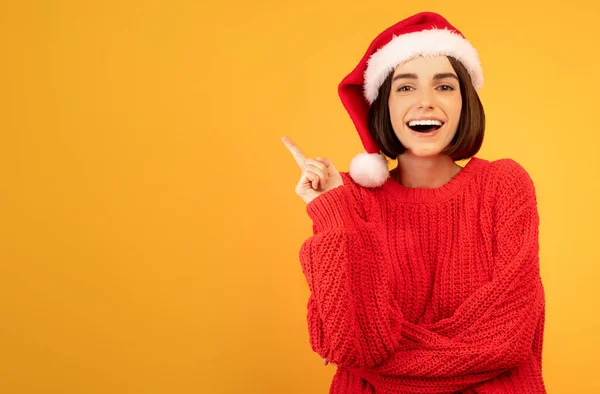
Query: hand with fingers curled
<point x="318" y="176"/>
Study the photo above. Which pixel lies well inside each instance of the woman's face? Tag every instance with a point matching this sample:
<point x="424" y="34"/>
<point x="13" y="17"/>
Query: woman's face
<point x="425" y="104"/>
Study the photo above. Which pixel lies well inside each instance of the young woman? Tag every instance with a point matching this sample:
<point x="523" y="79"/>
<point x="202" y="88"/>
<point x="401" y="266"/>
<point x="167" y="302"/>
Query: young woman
<point x="424" y="279"/>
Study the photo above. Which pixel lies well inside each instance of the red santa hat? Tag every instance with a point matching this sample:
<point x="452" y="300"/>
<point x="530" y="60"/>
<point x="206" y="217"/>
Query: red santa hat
<point x="423" y="34"/>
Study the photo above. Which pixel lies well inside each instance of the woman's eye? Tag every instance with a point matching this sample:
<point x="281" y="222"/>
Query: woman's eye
<point x="404" y="88"/>
<point x="446" y="87"/>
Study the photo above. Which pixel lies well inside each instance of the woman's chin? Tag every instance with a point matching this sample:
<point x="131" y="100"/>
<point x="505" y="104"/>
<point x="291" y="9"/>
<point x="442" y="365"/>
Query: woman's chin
<point x="423" y="152"/>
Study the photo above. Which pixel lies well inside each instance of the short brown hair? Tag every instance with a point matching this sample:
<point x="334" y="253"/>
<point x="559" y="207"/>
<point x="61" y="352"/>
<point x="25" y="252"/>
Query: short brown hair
<point x="469" y="133"/>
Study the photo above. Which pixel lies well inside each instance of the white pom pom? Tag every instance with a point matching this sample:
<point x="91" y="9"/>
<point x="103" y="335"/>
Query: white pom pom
<point x="369" y="169"/>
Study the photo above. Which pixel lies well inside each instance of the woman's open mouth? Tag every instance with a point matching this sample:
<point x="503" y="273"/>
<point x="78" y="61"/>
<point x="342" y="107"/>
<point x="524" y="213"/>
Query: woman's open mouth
<point x="424" y="126"/>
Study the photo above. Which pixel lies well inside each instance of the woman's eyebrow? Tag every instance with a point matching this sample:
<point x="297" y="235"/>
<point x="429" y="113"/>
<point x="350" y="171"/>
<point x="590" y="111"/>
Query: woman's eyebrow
<point x="414" y="76"/>
<point x="445" y="75"/>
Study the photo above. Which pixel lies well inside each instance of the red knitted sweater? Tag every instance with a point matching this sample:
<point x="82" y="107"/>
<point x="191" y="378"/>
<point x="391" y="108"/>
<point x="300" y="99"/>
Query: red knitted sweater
<point x="429" y="290"/>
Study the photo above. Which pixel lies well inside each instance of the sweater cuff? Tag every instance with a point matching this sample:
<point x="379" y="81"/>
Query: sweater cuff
<point x="333" y="209"/>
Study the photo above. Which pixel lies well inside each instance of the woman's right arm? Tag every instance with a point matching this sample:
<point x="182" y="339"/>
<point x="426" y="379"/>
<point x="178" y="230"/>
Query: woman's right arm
<point x="353" y="318"/>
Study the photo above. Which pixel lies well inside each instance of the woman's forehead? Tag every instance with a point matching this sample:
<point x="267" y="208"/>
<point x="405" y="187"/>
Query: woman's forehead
<point x="424" y="66"/>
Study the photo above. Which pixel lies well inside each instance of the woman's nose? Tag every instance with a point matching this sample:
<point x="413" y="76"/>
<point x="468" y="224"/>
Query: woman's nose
<point x="426" y="100"/>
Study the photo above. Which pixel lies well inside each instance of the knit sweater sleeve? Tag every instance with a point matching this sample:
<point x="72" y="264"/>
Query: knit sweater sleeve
<point x="352" y="316"/>
<point x="498" y="327"/>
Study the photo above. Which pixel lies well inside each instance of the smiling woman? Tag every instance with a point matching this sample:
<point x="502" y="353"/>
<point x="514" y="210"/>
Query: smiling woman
<point x="425" y="279"/>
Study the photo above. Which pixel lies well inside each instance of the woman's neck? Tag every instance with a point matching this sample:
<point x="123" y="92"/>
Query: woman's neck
<point x="424" y="172"/>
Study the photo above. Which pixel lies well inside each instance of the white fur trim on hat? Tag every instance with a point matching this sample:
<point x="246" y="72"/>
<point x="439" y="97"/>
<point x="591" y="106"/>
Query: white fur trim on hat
<point x="434" y="42"/>
<point x="369" y="169"/>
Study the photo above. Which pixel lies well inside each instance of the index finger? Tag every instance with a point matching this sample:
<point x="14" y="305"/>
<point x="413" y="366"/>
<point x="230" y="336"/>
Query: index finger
<point x="296" y="152"/>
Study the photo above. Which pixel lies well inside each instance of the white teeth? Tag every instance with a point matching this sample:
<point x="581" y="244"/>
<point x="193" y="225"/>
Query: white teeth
<point x="424" y="123"/>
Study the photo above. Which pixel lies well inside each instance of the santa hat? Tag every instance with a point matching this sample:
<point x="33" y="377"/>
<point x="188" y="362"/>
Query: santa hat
<point x="423" y="34"/>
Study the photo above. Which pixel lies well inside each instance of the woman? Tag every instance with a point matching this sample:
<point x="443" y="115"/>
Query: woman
<point x="424" y="279"/>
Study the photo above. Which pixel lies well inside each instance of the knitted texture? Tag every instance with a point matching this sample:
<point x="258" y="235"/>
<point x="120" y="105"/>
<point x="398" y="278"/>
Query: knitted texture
<point x="417" y="290"/>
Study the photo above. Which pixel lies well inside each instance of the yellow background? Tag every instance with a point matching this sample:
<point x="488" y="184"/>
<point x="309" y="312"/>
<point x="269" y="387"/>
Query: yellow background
<point x="150" y="229"/>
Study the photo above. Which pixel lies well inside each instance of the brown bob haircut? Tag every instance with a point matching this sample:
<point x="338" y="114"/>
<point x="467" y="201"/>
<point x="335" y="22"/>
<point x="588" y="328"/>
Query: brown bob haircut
<point x="469" y="133"/>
